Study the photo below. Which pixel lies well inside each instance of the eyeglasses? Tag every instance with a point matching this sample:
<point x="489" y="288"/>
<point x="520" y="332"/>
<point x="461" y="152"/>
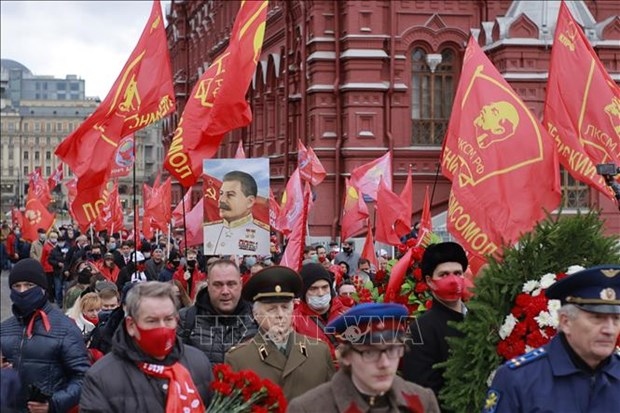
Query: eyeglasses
<point x="373" y="355"/>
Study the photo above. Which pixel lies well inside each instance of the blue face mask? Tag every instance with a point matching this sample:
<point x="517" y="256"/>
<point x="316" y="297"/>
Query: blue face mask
<point x="26" y="302"/>
<point x="249" y="261"/>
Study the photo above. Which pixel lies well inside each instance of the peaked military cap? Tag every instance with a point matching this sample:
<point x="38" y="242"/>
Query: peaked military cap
<point x="273" y="284"/>
<point x="371" y="323"/>
<point x="595" y="289"/>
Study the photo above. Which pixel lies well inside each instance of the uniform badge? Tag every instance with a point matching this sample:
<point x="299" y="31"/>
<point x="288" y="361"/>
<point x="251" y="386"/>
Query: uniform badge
<point x="608" y="294"/>
<point x="490" y="404"/>
<point x="250" y="233"/>
<point x="247" y="245"/>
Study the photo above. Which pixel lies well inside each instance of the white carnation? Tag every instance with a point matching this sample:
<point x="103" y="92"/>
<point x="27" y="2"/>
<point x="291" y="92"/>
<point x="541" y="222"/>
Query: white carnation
<point x="536" y="292"/>
<point x="547" y="280"/>
<point x="554" y="306"/>
<point x="573" y="269"/>
<point x="544" y="319"/>
<point x="529" y="286"/>
<point x="509" y="324"/>
<point x="528" y="348"/>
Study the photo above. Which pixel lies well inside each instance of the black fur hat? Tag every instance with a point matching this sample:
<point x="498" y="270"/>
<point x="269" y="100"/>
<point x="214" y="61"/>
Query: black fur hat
<point x="436" y="254"/>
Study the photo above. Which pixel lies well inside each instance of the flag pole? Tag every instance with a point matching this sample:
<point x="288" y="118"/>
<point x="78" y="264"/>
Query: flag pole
<point x="435" y="182"/>
<point x="184" y="220"/>
<point x="134" y="203"/>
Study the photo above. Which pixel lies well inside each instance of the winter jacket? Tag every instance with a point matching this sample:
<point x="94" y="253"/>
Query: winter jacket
<point x="45" y="254"/>
<point x="111" y="274"/>
<point x="166" y="273"/>
<point x="55" y="361"/>
<point x="307" y="322"/>
<point x="153" y="269"/>
<point x="59" y="255"/>
<point x="215" y="333"/>
<point x="196" y="278"/>
<point x="116" y="384"/>
<point x="36" y="249"/>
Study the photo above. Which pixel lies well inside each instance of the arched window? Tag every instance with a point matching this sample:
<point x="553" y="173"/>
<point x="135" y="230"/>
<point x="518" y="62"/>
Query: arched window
<point x="432" y="93"/>
<point x="575" y="194"/>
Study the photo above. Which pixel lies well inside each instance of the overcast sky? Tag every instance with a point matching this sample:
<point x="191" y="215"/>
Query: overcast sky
<point x="90" y="39"/>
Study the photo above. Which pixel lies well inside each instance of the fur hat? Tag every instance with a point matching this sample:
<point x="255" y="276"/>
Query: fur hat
<point x="436" y="254"/>
<point x="29" y="270"/>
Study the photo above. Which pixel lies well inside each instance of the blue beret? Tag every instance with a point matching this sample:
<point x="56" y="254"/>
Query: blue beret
<point x="595" y="289"/>
<point x="371" y="323"/>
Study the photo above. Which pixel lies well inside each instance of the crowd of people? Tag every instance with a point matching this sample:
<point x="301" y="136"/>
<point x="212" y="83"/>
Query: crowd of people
<point x="106" y="323"/>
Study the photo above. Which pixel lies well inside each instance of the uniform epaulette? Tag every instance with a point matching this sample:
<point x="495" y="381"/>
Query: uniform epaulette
<point x="262" y="224"/>
<point x="238" y="346"/>
<point x="527" y="358"/>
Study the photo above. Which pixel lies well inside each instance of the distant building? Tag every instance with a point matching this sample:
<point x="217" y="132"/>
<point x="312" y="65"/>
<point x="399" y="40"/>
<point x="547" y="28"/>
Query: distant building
<point x="37" y="113"/>
<point x="354" y="79"/>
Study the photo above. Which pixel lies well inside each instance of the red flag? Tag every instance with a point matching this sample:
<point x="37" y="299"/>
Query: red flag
<point x="354" y="213"/>
<point x="310" y="167"/>
<point x="217" y="103"/>
<point x="142" y="94"/>
<point x="240" y="154"/>
<point x="582" y="106"/>
<point x="37" y="188"/>
<point x="274" y="211"/>
<point x="36" y="216"/>
<point x="406" y="195"/>
<point x="500" y="160"/>
<point x="294" y="251"/>
<point x="366" y="177"/>
<point x="391" y="219"/>
<point x="292" y="204"/>
<point x="147" y="219"/>
<point x="426" y="223"/>
<point x="55" y="178"/>
<point x="397" y="276"/>
<point x="111" y="216"/>
<point x="158" y="205"/>
<point x="17" y="218"/>
<point x="368" y="251"/>
<point x="185" y="204"/>
<point x="193" y="227"/>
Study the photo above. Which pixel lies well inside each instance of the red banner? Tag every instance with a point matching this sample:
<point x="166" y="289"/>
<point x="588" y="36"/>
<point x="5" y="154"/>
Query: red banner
<point x="354" y="213"/>
<point x="582" y="106"/>
<point x="240" y="154"/>
<point x="406" y="195"/>
<point x="501" y="162"/>
<point x="38" y="188"/>
<point x="368" y="251"/>
<point x="142" y="94"/>
<point x="157" y="207"/>
<point x="426" y="223"/>
<point x="55" y="178"/>
<point x="366" y="177"/>
<point x="310" y="167"/>
<point x="294" y="251"/>
<point x="183" y="207"/>
<point x="391" y="217"/>
<point x="111" y="216"/>
<point x="36" y="216"/>
<point x="292" y="204"/>
<point x="217" y="103"/>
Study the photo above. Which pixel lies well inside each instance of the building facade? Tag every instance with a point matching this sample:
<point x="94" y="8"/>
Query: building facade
<point x="354" y="79"/>
<point x="37" y="113"/>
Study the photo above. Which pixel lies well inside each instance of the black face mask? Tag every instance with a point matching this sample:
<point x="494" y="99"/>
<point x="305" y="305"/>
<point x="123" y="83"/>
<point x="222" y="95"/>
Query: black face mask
<point x="191" y="263"/>
<point x="175" y="264"/>
<point x="96" y="256"/>
<point x="26" y="302"/>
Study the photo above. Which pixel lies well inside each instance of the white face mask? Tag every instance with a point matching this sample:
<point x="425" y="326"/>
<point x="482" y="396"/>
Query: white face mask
<point x="319" y="302"/>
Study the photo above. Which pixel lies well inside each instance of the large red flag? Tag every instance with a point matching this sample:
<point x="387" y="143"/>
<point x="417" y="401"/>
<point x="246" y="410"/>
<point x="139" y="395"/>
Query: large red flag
<point x="366" y="177"/>
<point x="294" y="251"/>
<point x="292" y="204"/>
<point x="310" y="167"/>
<point x="55" y="178"/>
<point x="426" y="223"/>
<point x="194" y="220"/>
<point x="217" y="103"/>
<point x="36" y="216"/>
<point x="142" y="94"/>
<point x="38" y="188"/>
<point x="354" y="214"/>
<point x="406" y="195"/>
<point x="274" y="211"/>
<point x="391" y="217"/>
<point x="368" y="251"/>
<point x="240" y="154"/>
<point x="111" y="216"/>
<point x="184" y="206"/>
<point x="501" y="162"/>
<point x="158" y="205"/>
<point x="582" y="106"/>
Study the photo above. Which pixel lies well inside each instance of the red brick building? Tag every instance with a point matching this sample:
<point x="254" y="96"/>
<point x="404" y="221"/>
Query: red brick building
<point x="354" y="79"/>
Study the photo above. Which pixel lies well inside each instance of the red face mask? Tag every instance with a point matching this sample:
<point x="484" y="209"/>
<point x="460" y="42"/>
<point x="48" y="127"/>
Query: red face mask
<point x="94" y="320"/>
<point x="156" y="342"/>
<point x="448" y="288"/>
<point x="347" y="301"/>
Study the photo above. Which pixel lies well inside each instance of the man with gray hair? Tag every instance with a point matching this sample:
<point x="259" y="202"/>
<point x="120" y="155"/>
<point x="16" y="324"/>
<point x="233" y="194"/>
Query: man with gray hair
<point x="292" y="361"/>
<point x="148" y="369"/>
<point x="579" y="369"/>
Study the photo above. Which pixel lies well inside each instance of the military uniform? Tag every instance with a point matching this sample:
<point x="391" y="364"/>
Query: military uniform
<point x="306" y="365"/>
<point x="554" y="378"/>
<point x="245" y="236"/>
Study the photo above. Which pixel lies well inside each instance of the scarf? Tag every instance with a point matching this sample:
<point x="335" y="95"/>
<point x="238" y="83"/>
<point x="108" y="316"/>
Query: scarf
<point x="44" y="319"/>
<point x="183" y="397"/>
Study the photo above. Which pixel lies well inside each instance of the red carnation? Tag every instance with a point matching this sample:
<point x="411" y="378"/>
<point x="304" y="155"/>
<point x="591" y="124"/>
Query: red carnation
<point x="417" y="274"/>
<point x="428" y="304"/>
<point x="380" y="276"/>
<point x="523" y="300"/>
<point x="535" y="339"/>
<point x="421" y="287"/>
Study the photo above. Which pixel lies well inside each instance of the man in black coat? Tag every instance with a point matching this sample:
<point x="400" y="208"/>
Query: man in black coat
<point x="443" y="266"/>
<point x="43" y="345"/>
<point x="219" y="319"/>
<point x="149" y="369"/>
